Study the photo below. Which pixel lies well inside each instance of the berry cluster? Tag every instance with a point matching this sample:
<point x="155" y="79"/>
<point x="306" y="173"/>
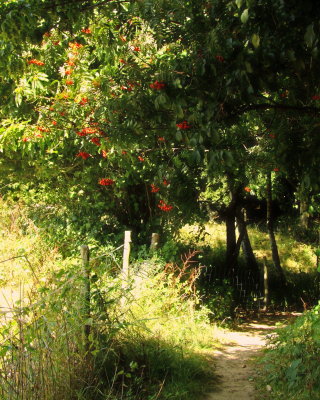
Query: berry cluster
<point x="164" y="207"/>
<point x="106" y="182"/>
<point x="183" y="125"/>
<point x="96" y="141"/>
<point x="154" y="188"/>
<point x="75" y="45"/>
<point x="84" y="155"/>
<point x="36" y="62"/>
<point x="42" y="129"/>
<point x="220" y="59"/>
<point x="83" y="101"/>
<point x="156" y="85"/>
<point x="88" y="131"/>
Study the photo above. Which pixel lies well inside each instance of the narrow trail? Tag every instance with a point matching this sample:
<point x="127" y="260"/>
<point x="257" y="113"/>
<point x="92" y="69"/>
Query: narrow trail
<point x="233" y="363"/>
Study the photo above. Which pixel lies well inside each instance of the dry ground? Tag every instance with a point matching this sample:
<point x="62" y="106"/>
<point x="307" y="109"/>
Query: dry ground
<point x="234" y="367"/>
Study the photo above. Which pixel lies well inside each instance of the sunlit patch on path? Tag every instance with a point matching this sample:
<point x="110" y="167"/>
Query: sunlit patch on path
<point x="233" y="363"/>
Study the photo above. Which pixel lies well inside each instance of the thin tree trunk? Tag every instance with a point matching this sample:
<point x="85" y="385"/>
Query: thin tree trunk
<point x="272" y="238"/>
<point x="231" y="239"/>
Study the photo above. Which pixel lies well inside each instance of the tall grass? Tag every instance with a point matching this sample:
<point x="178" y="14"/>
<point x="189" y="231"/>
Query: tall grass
<point x="149" y="340"/>
<point x="148" y="346"/>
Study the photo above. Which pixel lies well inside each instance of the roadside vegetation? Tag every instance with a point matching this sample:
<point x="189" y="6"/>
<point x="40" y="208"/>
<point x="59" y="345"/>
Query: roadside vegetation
<point x="290" y="368"/>
<point x="150" y="338"/>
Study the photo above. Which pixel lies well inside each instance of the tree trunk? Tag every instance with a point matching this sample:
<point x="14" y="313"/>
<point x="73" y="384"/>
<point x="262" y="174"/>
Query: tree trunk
<point x="231" y="240"/>
<point x="304" y="215"/>
<point x="250" y="258"/>
<point x="273" y="243"/>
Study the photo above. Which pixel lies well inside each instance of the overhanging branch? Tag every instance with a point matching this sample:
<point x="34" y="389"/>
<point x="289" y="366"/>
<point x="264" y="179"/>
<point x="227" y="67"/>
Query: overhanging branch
<point x="277" y="106"/>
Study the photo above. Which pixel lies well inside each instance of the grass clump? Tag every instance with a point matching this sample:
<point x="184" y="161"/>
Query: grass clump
<point x="290" y="366"/>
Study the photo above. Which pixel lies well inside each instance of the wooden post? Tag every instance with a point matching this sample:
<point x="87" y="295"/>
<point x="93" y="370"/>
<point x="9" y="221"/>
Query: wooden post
<point x="85" y="255"/>
<point x="155" y="238"/>
<point x="126" y="254"/>
<point x="125" y="263"/>
<point x="265" y="285"/>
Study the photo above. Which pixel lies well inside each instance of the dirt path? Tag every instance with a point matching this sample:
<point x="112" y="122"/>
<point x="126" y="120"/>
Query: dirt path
<point x="234" y="368"/>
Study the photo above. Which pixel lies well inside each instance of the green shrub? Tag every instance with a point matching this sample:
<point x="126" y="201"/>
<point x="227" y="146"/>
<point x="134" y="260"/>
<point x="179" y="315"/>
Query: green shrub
<point x="291" y="364"/>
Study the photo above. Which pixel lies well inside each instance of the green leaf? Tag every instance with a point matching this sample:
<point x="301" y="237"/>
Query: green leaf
<point x="245" y="16"/>
<point x="248" y="67"/>
<point x="239" y="3"/>
<point x="255" y="40"/>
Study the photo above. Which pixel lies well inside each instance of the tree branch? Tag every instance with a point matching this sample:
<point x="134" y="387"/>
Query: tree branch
<point x="86" y="4"/>
<point x="277" y="106"/>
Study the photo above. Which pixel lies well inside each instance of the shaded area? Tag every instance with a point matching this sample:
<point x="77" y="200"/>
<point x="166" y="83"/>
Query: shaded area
<point x="235" y="370"/>
<point x="263" y="322"/>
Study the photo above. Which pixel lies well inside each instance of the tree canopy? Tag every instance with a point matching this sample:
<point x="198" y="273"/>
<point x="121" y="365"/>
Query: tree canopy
<point x="132" y="108"/>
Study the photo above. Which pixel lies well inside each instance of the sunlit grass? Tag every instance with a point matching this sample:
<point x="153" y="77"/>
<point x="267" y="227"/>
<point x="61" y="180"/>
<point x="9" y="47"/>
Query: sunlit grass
<point x="295" y="256"/>
<point x="158" y="348"/>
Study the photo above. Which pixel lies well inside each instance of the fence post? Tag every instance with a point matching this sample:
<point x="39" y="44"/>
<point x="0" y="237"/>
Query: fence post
<point x="155" y="238"/>
<point x="85" y="255"/>
<point x="125" y="262"/>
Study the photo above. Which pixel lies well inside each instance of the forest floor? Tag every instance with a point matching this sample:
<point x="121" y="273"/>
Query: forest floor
<point x="235" y="370"/>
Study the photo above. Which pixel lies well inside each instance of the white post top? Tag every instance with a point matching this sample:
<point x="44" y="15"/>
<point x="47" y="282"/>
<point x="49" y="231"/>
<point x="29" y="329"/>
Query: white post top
<point x="127" y="236"/>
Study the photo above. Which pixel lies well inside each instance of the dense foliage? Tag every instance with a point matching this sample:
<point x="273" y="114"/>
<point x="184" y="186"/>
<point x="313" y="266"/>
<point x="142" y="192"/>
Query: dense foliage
<point x="120" y="106"/>
<point x="145" y="115"/>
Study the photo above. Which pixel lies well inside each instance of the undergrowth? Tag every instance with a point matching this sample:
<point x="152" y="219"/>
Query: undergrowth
<point x="290" y="367"/>
<point x="298" y="260"/>
<point x="146" y="338"/>
<point x="146" y="341"/>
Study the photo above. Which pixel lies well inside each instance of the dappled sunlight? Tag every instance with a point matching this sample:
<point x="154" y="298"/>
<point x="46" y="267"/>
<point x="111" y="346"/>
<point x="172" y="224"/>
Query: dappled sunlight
<point x="236" y="372"/>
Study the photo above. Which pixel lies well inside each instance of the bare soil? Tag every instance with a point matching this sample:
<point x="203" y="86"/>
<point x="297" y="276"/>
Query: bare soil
<point x="233" y="362"/>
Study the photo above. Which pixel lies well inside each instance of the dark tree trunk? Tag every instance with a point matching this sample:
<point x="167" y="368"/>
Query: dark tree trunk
<point x="304" y="215"/>
<point x="233" y="247"/>
<point x="273" y="243"/>
<point x="250" y="258"/>
<point x="231" y="240"/>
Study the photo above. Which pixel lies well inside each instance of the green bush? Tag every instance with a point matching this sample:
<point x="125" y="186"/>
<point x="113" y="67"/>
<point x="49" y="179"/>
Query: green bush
<point x="291" y="364"/>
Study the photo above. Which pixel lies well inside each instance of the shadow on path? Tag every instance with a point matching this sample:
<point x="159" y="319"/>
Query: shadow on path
<point x="233" y="363"/>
